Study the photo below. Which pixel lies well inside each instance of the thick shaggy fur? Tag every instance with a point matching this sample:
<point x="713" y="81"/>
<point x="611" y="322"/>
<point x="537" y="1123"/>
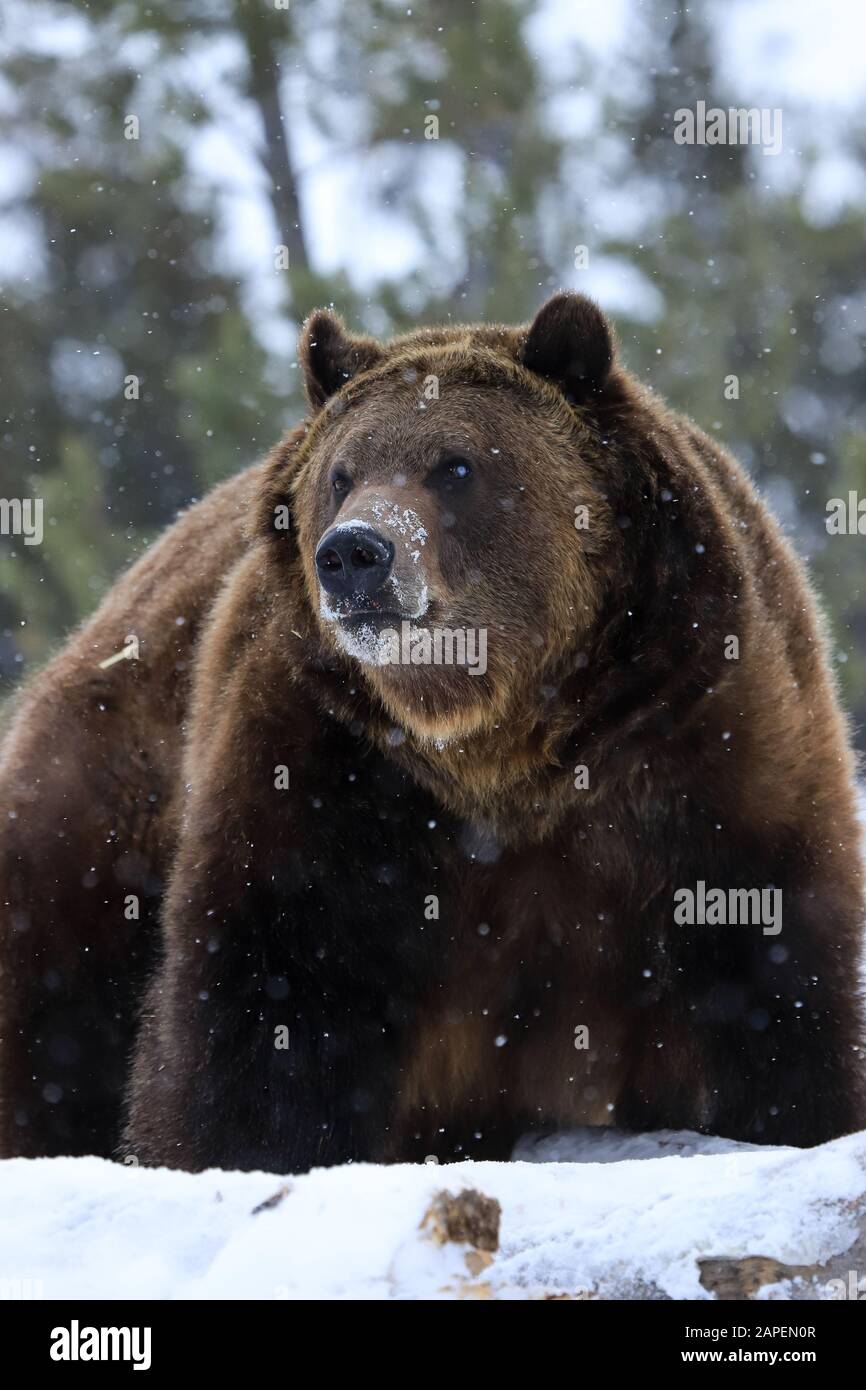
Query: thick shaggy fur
<point x="307" y="908"/>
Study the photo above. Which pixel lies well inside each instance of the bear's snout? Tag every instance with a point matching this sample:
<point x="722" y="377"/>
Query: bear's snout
<point x="354" y="561"/>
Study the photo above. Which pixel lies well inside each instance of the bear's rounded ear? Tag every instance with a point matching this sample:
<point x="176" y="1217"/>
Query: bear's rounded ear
<point x="330" y="356"/>
<point x="570" y="342"/>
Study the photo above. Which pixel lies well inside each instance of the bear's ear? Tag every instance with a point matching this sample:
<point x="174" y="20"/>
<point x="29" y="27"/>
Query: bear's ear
<point x="570" y="343"/>
<point x="330" y="356"/>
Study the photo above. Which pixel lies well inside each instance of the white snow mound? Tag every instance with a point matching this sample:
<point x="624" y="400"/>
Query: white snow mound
<point x="626" y="1216"/>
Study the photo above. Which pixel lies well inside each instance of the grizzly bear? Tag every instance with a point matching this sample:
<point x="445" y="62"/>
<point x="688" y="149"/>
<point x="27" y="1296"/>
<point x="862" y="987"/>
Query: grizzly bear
<point x="472" y="767"/>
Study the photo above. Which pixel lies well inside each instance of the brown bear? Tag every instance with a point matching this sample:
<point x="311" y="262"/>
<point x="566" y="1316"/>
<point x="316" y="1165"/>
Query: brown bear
<point x="474" y="768"/>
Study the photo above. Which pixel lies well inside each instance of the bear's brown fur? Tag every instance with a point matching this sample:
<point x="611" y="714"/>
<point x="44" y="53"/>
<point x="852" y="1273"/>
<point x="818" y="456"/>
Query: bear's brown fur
<point x="392" y="955"/>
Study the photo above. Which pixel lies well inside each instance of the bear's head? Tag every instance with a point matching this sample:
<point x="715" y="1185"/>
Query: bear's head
<point x="480" y="521"/>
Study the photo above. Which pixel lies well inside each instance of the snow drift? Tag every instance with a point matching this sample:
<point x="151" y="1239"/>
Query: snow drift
<point x="592" y="1215"/>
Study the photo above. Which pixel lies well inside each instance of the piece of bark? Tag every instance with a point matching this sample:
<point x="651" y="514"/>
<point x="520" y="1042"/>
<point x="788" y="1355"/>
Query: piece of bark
<point x="741" y="1279"/>
<point x="273" y="1201"/>
<point x="470" y="1218"/>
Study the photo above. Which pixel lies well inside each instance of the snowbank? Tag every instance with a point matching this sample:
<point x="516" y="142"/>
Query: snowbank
<point x="669" y="1215"/>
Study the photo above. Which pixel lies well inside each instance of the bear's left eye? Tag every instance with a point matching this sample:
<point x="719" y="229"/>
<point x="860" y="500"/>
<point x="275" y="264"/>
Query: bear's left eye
<point x="452" y="474"/>
<point x="455" y="468"/>
<point x="458" y="467"/>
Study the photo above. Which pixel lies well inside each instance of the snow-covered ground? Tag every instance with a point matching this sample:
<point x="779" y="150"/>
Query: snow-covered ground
<point x="623" y="1217"/>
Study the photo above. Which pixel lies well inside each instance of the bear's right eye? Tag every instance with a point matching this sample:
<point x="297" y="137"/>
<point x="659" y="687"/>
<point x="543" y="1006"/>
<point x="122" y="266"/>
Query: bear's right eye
<point x="340" y="482"/>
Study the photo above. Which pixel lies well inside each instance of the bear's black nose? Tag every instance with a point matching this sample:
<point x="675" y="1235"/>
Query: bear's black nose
<point x="353" y="560"/>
